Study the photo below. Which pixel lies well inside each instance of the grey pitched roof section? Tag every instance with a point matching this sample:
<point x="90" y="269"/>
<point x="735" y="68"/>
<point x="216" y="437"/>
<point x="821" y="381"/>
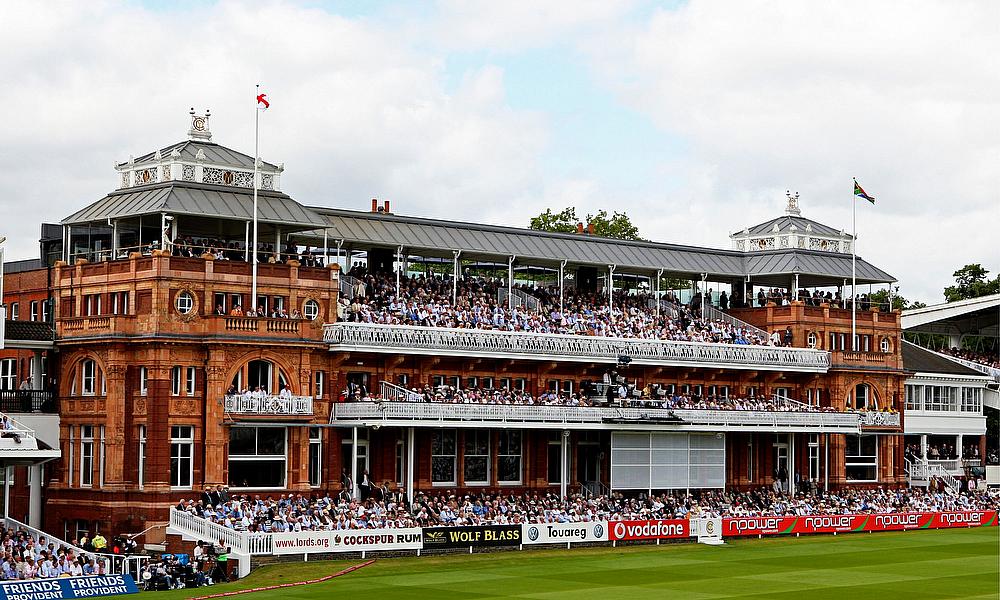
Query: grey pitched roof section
<point x="492" y="242"/>
<point x="29" y="331"/>
<point x="184" y="198"/>
<point x="785" y="223"/>
<point x="921" y="360"/>
<point x="214" y="154"/>
<point x="815" y="263"/>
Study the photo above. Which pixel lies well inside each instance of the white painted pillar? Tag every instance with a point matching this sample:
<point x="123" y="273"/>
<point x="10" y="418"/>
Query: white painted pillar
<point x="326" y="248"/>
<point x="791" y="460"/>
<point x="6" y="491"/>
<point x="35" y="497"/>
<point x="399" y="266"/>
<point x="409" y="463"/>
<point x="659" y="276"/>
<point x="454" y="277"/>
<point x="563" y="455"/>
<point x="246" y="244"/>
<point x="277" y="244"/>
<point x="114" y="239"/>
<point x="36" y="372"/>
<point x="562" y="276"/>
<point x="354" y="462"/>
<point x="923" y="446"/>
<point x="510" y="281"/>
<point x="826" y="461"/>
<point x="611" y="289"/>
<point x="958" y="446"/>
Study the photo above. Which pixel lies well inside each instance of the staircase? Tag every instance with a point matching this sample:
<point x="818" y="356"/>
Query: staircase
<point x="242" y="545"/>
<point x="919" y="473"/>
<point x="390" y="392"/>
<point x="519" y="299"/>
<point x="714" y="314"/>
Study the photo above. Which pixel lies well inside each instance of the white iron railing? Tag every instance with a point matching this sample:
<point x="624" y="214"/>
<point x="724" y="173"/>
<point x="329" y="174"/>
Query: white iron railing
<point x="248" y="404"/>
<point x="714" y="314"/>
<point x="13" y="525"/>
<point x="347" y="286"/>
<point x="579" y="348"/>
<point x="241" y="542"/>
<point x="521" y="299"/>
<point x="395" y="393"/>
<point x="876" y="418"/>
<point x="437" y="412"/>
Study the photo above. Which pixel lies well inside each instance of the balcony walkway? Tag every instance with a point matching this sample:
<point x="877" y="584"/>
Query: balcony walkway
<point x="406" y="339"/>
<point x="431" y="414"/>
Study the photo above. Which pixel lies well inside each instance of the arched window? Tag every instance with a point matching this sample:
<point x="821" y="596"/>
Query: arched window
<point x="262" y="374"/>
<point x="88" y="379"/>
<point x="812" y="339"/>
<point x="885" y="345"/>
<point x="310" y="309"/>
<point x="863" y="398"/>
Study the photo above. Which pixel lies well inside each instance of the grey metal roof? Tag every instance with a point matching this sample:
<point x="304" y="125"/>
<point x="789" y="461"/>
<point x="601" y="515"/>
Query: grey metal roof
<point x="921" y="360"/>
<point x="492" y="242"/>
<point x="186" y="198"/>
<point x="214" y="154"/>
<point x="813" y="263"/>
<point x="785" y="223"/>
<point x="29" y="331"/>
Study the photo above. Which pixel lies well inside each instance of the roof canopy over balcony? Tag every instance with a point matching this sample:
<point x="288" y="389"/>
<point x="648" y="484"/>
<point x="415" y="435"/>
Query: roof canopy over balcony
<point x="404" y="339"/>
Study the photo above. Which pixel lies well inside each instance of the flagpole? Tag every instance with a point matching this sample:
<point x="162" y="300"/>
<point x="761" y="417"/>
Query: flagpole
<point x="854" y="273"/>
<point x="256" y="159"/>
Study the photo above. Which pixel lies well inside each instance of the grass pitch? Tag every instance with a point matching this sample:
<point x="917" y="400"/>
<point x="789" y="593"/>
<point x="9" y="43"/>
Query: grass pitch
<point x="958" y="563"/>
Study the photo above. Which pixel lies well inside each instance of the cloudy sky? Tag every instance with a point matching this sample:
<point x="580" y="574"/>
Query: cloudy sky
<point x="693" y="117"/>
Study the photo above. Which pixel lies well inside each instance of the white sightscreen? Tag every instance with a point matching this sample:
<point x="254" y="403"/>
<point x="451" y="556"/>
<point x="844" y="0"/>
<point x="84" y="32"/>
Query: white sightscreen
<point x="661" y="460"/>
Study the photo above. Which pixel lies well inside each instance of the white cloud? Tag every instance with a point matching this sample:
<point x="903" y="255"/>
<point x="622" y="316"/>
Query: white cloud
<point x="804" y="96"/>
<point x="356" y="111"/>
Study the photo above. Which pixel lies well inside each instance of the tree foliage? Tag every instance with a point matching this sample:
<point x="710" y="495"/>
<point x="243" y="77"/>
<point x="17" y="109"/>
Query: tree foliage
<point x="618" y="226"/>
<point x="881" y="298"/>
<point x="971" y="281"/>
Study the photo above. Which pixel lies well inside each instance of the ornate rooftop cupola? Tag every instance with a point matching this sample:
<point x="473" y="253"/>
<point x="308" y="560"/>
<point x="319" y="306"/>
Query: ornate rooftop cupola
<point x="791" y="231"/>
<point x="198" y="160"/>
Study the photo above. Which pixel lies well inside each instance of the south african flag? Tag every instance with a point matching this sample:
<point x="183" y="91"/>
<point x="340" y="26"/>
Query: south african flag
<point x="860" y="193"/>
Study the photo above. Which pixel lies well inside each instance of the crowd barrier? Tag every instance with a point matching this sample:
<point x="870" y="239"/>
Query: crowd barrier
<point x="706" y="530"/>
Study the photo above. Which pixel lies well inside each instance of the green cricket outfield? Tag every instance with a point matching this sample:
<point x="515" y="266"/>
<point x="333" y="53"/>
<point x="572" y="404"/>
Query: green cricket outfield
<point x="956" y="563"/>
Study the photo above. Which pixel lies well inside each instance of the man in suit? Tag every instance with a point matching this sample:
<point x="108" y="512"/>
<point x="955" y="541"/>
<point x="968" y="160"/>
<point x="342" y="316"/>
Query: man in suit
<point x="346" y="484"/>
<point x="365" y="487"/>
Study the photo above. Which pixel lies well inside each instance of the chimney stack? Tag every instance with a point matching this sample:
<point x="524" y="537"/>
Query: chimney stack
<point x="374" y="204"/>
<point x="590" y="228"/>
<point x="579" y="227"/>
<point x="387" y="207"/>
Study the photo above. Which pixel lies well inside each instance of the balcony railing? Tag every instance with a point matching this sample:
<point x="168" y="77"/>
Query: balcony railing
<point x="289" y="406"/>
<point x="879" y="419"/>
<point x="26" y="401"/>
<point x="472" y="415"/>
<point x="474" y="342"/>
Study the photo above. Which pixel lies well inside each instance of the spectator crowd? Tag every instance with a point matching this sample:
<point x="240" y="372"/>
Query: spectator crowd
<point x="380" y="507"/>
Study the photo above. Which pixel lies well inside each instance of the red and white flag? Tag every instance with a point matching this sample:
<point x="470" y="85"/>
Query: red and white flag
<point x="262" y="102"/>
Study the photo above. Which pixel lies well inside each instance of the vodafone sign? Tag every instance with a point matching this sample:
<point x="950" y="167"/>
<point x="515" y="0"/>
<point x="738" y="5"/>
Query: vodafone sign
<point x="662" y="529"/>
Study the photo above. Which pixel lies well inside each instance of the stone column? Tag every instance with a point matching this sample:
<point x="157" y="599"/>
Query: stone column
<point x="114" y="428"/>
<point x="157" y="465"/>
<point x="216" y="434"/>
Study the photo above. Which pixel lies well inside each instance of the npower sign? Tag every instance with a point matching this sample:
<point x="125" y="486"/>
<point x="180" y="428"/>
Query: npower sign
<point x="561" y="533"/>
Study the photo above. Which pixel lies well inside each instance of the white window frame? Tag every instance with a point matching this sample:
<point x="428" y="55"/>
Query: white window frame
<point x="190" y="381"/>
<point x="315" y="457"/>
<point x="972" y="400"/>
<point x="143" y="381"/>
<point x="181" y="438"/>
<point x="310" y="309"/>
<point x="442" y="456"/>
<point x="812" y="339"/>
<point x="14" y="311"/>
<point x="34" y="310"/>
<point x="871" y="461"/>
<point x="184" y="302"/>
<point x="474" y="436"/>
<point x="282" y="458"/>
<point x="319" y="384"/>
<point x="175" y="381"/>
<point x="88" y="381"/>
<point x="142" y="456"/>
<point x="501" y="455"/>
<point x="914" y="397"/>
<point x="814" y="456"/>
<point x="86" y="456"/>
<point x="8" y="374"/>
